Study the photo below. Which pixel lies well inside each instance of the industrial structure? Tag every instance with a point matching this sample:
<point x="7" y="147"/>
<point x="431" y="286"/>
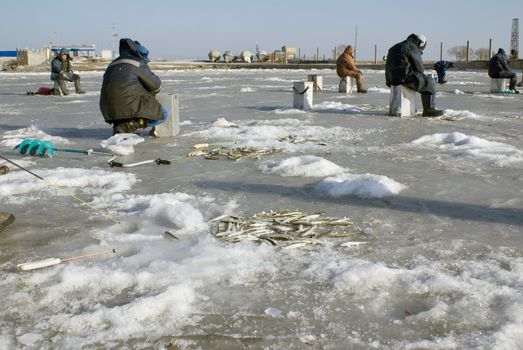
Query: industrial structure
<point x="514" y="39"/>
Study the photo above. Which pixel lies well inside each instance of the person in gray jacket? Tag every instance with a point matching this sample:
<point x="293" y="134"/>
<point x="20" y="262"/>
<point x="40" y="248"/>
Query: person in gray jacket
<point x="127" y="99"/>
<point x="404" y="66"/>
<point x="62" y="71"/>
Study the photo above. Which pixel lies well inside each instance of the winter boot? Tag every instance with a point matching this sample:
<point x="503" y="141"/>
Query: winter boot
<point x="77" y="87"/>
<point x="432" y="112"/>
<point x="428" y="106"/>
<point x="153" y="133"/>
<point x="137" y="123"/>
<point x="129" y="126"/>
<point x="512" y="86"/>
<point x="122" y="128"/>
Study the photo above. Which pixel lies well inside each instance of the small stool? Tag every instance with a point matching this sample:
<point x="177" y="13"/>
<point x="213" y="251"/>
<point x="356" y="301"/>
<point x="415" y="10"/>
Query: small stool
<point x="303" y="94"/>
<point x="433" y="74"/>
<point x="346" y="85"/>
<point x="170" y="127"/>
<point x="402" y="102"/>
<point x="317" y="80"/>
<point x="498" y="85"/>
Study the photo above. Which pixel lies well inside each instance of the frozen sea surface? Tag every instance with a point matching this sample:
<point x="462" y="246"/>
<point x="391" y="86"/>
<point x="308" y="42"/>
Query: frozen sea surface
<point x="440" y="202"/>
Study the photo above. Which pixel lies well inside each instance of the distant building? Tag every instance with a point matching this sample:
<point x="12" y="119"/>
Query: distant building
<point x="75" y="50"/>
<point x="8" y="53"/>
<point x="277" y="56"/>
<point x="28" y="57"/>
<point x="107" y="54"/>
<point x="290" y="52"/>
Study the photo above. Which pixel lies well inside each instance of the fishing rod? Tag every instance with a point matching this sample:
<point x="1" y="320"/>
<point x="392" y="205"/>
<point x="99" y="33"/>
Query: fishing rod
<point x="158" y="161"/>
<point x="39" y="264"/>
<point x="68" y="193"/>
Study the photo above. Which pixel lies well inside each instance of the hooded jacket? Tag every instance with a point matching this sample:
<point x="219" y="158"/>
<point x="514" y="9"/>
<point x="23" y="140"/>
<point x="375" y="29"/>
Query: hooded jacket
<point x="57" y="65"/>
<point x="498" y="65"/>
<point x="404" y="65"/>
<point x="345" y="64"/>
<point x="129" y="86"/>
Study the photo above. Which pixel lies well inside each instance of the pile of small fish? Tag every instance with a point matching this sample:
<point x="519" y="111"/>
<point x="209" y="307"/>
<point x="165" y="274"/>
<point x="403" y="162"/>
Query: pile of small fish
<point x="290" y="229"/>
<point x="235" y="153"/>
<point x="298" y="139"/>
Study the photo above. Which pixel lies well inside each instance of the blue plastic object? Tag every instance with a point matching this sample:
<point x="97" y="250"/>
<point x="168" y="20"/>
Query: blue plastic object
<point x="36" y="147"/>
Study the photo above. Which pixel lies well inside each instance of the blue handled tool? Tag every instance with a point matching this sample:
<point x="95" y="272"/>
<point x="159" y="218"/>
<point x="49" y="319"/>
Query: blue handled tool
<point x="41" y="148"/>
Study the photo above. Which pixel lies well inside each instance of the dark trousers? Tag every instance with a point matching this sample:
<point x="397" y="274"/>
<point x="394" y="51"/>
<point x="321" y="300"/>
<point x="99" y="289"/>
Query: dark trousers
<point x="426" y="86"/>
<point x="508" y="75"/>
<point x="441" y="74"/>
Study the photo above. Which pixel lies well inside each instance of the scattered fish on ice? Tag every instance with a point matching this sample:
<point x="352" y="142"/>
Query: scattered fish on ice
<point x="235" y="153"/>
<point x="289" y="229"/>
<point x="298" y="139"/>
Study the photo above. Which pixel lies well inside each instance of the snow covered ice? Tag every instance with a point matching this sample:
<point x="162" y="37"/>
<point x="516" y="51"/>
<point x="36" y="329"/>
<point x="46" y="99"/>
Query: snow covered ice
<point x="440" y="202"/>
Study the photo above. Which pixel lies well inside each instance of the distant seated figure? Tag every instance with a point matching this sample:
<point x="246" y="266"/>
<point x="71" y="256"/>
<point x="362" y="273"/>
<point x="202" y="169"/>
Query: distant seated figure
<point x="498" y="69"/>
<point x="404" y="66"/>
<point x="127" y="99"/>
<point x="441" y="68"/>
<point x="346" y="67"/>
<point x="62" y="71"/>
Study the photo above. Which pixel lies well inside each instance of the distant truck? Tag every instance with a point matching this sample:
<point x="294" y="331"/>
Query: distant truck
<point x="246" y="56"/>
<point x="228" y="56"/>
<point x="214" y="56"/>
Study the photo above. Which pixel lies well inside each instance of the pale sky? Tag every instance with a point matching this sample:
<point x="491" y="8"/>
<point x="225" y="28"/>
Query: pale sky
<point x="189" y="29"/>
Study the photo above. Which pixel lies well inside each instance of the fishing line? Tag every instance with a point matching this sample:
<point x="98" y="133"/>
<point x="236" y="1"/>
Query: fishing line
<point x="66" y="192"/>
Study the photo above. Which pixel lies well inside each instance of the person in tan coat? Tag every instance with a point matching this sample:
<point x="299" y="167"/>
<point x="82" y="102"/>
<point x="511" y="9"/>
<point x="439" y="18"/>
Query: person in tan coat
<point x="346" y="67"/>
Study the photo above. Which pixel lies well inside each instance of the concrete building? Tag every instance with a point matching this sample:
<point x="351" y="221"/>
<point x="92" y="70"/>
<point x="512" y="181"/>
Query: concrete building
<point x="26" y="57"/>
<point x="107" y="54"/>
<point x="290" y="53"/>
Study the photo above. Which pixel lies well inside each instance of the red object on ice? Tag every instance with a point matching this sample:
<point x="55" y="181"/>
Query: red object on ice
<point x="44" y="91"/>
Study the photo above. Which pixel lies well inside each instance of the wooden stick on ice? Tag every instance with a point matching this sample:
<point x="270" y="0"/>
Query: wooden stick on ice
<point x="39" y="264"/>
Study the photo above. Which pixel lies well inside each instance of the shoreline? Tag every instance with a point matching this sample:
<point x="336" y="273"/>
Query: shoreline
<point x="83" y="66"/>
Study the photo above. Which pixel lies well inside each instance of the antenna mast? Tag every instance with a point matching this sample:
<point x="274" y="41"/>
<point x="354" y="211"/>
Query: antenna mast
<point x="514" y="39"/>
<point x="356" y="42"/>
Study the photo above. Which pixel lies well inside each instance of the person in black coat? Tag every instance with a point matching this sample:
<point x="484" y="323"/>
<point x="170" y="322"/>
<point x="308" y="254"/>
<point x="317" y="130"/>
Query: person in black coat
<point x="441" y="68"/>
<point x="404" y="66"/>
<point x="127" y="99"/>
<point x="498" y="69"/>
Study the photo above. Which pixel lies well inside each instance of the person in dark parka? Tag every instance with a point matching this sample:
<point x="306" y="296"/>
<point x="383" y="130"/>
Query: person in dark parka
<point x="62" y="71"/>
<point x="498" y="69"/>
<point x="404" y="66"/>
<point x="441" y="68"/>
<point x="127" y="99"/>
